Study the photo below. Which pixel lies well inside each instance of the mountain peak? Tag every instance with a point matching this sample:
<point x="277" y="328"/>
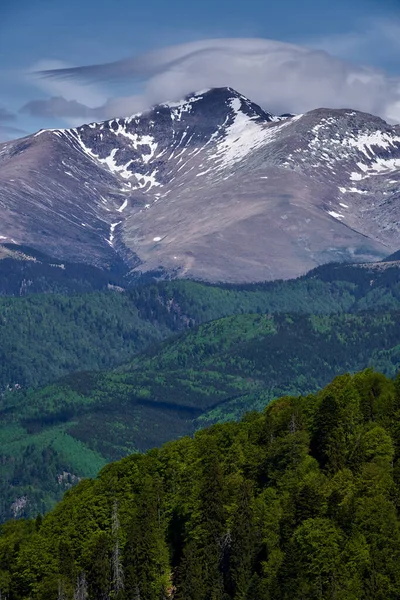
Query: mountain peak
<point x="212" y="100"/>
<point x="211" y="187"/>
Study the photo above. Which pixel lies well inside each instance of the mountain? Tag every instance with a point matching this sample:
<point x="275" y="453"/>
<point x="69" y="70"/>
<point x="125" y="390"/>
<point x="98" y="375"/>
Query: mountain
<point x="300" y="502"/>
<point x="212" y="188"/>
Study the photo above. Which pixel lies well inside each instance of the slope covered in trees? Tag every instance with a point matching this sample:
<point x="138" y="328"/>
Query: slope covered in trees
<point x="214" y="372"/>
<point x="25" y="271"/>
<point x="299" y="502"/>
<point x="45" y="336"/>
<point x="49" y="437"/>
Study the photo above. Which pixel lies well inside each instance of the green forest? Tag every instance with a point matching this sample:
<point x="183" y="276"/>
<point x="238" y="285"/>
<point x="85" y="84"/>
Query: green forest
<point x="45" y="336"/>
<point x="299" y="501"/>
<point x="90" y="378"/>
<point x="51" y="436"/>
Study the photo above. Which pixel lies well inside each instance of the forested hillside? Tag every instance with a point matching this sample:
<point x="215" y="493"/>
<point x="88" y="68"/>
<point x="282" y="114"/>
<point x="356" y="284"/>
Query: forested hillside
<point x="256" y="343"/>
<point x="299" y="502"/>
<point x="25" y="271"/>
<point x="45" y="336"/>
<point x="214" y="372"/>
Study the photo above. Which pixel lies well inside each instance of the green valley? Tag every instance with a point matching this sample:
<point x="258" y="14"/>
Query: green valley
<point x="87" y="378"/>
<point x="216" y="371"/>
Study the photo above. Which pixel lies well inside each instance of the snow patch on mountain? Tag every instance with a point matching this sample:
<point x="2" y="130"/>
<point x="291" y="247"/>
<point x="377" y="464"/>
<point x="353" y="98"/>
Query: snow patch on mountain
<point x="243" y="136"/>
<point x="366" y="142"/>
<point x="123" y="206"/>
<point x="178" y="109"/>
<point x="335" y="215"/>
<point x="376" y="167"/>
<point x="123" y="170"/>
<point x="200" y="171"/>
<point x="112" y="230"/>
<point x="352" y="190"/>
<point x="146" y="182"/>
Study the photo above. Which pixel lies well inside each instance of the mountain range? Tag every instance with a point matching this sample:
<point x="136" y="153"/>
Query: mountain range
<point x="109" y="347"/>
<point x="211" y="188"/>
<point x="149" y="288"/>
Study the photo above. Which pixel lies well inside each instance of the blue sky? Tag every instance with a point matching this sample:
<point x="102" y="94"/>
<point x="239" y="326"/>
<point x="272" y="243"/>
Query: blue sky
<point x="50" y="34"/>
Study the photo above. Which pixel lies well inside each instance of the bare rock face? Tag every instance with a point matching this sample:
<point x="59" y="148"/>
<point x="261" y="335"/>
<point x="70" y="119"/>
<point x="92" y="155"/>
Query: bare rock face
<point x="212" y="188"/>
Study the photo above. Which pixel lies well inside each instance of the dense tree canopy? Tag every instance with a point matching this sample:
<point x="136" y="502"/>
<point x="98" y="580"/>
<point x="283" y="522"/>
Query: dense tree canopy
<point x="44" y="336"/>
<point x="298" y="502"/>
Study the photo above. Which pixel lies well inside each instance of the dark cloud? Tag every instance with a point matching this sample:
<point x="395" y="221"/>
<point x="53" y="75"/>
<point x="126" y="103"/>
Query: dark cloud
<point x="140" y="67"/>
<point x="8" y="132"/>
<point x="57" y="107"/>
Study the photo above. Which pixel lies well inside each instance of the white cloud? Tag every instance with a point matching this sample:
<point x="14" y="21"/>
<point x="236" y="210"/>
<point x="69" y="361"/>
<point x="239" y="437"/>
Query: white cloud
<point x="89" y="95"/>
<point x="281" y="77"/>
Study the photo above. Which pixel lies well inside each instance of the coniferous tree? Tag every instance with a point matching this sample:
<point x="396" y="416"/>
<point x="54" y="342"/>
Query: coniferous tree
<point x="242" y="549"/>
<point x="98" y="571"/>
<point x="305" y="530"/>
<point x="211" y="527"/>
<point x="189" y="579"/>
<point x="146" y="556"/>
<point x="327" y="443"/>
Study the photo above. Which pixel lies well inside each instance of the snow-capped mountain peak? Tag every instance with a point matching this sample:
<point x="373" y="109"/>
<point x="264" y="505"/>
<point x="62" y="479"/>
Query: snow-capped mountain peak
<point x="138" y="149"/>
<point x="212" y="186"/>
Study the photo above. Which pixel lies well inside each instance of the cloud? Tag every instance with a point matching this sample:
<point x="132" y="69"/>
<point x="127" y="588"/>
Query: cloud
<point x="70" y="99"/>
<point x="57" y="106"/>
<point x="69" y="88"/>
<point x="281" y="77"/>
<point x="8" y="132"/>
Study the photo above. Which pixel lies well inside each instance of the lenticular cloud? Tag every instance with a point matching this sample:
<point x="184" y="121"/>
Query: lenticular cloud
<point x="281" y="77"/>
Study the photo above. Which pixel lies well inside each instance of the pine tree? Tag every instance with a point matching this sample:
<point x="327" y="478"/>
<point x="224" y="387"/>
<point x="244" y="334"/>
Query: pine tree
<point x="211" y="527"/>
<point x="243" y="543"/>
<point x="327" y="443"/>
<point x="146" y="555"/>
<point x="189" y="581"/>
<point x="255" y="589"/>
<point x="98" y="569"/>
<point x="66" y="560"/>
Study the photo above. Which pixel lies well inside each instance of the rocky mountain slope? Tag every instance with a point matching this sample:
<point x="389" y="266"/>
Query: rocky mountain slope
<point x="211" y="187"/>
